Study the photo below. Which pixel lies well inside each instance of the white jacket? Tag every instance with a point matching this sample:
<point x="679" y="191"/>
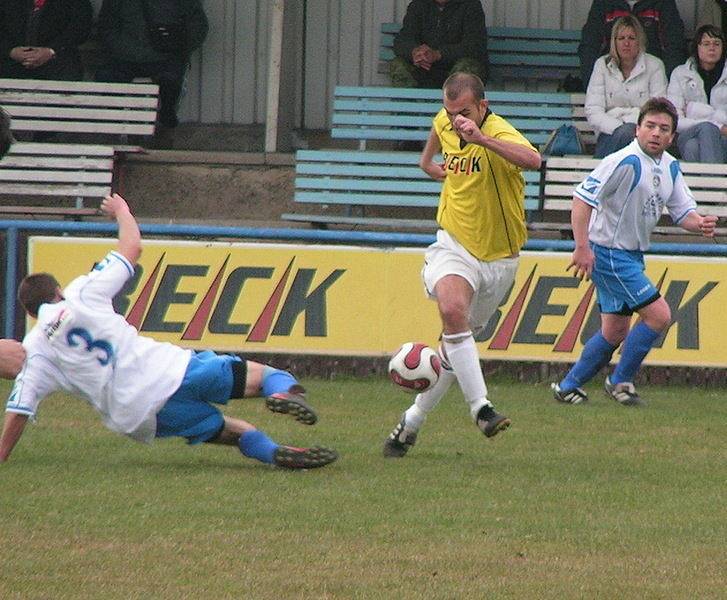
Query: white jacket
<point x="612" y="100"/>
<point x="686" y="91"/>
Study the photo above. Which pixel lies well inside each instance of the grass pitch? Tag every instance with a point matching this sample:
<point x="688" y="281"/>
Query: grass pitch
<point x="595" y="501"/>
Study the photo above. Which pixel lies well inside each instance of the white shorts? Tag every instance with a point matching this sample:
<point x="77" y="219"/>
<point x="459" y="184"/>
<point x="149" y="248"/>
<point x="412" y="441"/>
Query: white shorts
<point x="491" y="281"/>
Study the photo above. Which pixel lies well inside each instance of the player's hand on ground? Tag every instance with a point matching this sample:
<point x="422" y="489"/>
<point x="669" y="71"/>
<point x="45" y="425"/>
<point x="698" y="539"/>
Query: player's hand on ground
<point x="582" y="263"/>
<point x="707" y="225"/>
<point x="113" y="205"/>
<point x="435" y="171"/>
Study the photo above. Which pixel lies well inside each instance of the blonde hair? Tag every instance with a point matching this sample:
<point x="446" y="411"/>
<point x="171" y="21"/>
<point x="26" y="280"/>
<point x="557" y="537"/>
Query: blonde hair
<point x="622" y="23"/>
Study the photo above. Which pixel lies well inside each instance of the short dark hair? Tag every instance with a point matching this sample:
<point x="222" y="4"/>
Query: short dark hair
<point x="460" y="81"/>
<point x="6" y="136"/>
<point x="659" y="105"/>
<point x="709" y="30"/>
<point x="37" y="289"/>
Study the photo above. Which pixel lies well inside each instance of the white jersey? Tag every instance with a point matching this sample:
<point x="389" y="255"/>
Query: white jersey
<point x="629" y="190"/>
<point x="83" y="346"/>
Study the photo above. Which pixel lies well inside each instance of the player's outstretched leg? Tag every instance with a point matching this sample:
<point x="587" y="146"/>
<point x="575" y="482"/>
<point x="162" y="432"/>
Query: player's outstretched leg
<point x="292" y="403"/>
<point x="404" y="435"/>
<point x="257" y="445"/>
<point x="289" y="457"/>
<point x="490" y="422"/>
<point x="284" y="395"/>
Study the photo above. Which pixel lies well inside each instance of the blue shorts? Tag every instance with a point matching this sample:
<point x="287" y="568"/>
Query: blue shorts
<point x="619" y="277"/>
<point x="188" y="412"/>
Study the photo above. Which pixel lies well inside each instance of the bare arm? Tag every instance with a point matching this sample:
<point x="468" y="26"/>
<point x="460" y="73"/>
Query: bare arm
<point x="582" y="259"/>
<point x="517" y="154"/>
<point x="697" y="223"/>
<point x="12" y="430"/>
<point x="426" y="162"/>
<point x="12" y="357"/>
<point x="129" y="235"/>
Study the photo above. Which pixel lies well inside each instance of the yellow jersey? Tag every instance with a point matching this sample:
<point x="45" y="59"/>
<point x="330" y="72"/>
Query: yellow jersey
<point x="482" y="198"/>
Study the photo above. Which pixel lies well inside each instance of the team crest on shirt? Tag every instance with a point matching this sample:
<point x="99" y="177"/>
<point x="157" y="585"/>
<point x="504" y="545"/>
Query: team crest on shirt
<point x="52" y="329"/>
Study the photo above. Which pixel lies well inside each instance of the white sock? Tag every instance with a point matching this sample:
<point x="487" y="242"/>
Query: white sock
<point x="462" y="354"/>
<point x="425" y="402"/>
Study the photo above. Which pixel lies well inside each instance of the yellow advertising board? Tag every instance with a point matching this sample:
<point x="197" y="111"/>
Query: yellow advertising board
<point x="259" y="297"/>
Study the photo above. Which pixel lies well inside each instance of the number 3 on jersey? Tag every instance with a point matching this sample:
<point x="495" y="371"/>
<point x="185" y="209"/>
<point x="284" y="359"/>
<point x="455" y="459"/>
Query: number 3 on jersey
<point x="77" y="335"/>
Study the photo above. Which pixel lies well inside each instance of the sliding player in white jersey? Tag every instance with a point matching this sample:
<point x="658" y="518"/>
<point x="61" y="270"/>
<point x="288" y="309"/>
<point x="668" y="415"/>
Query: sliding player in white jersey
<point x="142" y="388"/>
<point x="615" y="209"/>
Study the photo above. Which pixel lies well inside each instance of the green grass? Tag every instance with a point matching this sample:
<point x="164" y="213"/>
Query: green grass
<point x="594" y="501"/>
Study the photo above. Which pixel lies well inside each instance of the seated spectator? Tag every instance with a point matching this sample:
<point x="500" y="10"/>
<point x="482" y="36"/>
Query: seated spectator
<point x="698" y="90"/>
<point x="6" y="136"/>
<point x="711" y="12"/>
<point x="661" y="22"/>
<point x="39" y="39"/>
<point x="437" y="38"/>
<point x="620" y="84"/>
<point x="151" y="38"/>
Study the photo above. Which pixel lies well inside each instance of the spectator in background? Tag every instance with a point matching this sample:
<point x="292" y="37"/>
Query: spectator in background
<point x="661" y="22"/>
<point x="6" y="135"/>
<point x="439" y="37"/>
<point x="151" y="38"/>
<point x="712" y="12"/>
<point x="12" y="354"/>
<point x="698" y="89"/>
<point x="39" y="39"/>
<point x="621" y="82"/>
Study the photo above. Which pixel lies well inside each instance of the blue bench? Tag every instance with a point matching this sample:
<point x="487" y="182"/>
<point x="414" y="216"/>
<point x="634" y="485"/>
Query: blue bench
<point x="353" y="182"/>
<point x="397" y="114"/>
<point x="515" y="53"/>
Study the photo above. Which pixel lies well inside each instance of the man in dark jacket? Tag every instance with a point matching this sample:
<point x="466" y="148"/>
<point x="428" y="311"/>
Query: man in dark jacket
<point x="661" y="21"/>
<point x="39" y="39"/>
<point x="151" y="38"/>
<point x="439" y="37"/>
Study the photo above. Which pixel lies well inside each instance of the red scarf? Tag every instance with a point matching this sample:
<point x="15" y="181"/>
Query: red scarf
<point x="38" y="4"/>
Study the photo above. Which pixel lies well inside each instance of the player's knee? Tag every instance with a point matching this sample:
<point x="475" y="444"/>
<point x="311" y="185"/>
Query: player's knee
<point x="276" y="381"/>
<point x="454" y="316"/>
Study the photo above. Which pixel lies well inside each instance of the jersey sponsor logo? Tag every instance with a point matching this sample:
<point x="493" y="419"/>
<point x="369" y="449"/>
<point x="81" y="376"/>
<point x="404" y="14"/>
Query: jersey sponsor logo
<point x="51" y="329"/>
<point x="462" y="165"/>
<point x="590" y="185"/>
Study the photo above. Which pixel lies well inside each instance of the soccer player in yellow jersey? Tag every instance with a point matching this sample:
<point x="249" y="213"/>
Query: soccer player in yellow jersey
<point x="472" y="264"/>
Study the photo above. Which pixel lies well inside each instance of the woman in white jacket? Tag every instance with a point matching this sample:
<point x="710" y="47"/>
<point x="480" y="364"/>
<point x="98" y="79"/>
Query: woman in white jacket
<point x="621" y="82"/>
<point x="698" y="89"/>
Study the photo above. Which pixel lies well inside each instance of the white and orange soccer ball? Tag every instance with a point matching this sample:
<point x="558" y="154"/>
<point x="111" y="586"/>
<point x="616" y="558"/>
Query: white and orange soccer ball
<point x="414" y="367"/>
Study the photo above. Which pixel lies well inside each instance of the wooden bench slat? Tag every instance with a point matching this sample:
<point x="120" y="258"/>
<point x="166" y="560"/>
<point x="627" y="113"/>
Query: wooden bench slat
<point x="12" y="100"/>
<point x="63" y="162"/>
<point x="44" y="176"/>
<point x="51" y="210"/>
<point x="89" y="191"/>
<point x="54" y="113"/>
<point x="80" y="86"/>
<point x="47" y="149"/>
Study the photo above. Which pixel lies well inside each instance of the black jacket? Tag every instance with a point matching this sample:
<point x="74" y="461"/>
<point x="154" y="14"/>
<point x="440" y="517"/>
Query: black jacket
<point x="661" y="21"/>
<point x="457" y="31"/>
<point x="63" y="25"/>
<point x="123" y="30"/>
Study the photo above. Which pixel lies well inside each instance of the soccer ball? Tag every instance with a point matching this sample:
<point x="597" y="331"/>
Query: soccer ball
<point x="414" y="367"/>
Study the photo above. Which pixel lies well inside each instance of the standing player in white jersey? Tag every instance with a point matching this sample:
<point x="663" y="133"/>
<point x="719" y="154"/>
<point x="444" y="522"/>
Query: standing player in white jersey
<point x="142" y="388"/>
<point x="615" y="209"/>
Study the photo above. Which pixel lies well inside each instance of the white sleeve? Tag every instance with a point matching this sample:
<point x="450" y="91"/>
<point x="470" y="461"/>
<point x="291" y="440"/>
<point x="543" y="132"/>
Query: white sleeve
<point x="105" y="280"/>
<point x="33" y="383"/>
<point x="681" y="202"/>
<point x="597" y="185"/>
